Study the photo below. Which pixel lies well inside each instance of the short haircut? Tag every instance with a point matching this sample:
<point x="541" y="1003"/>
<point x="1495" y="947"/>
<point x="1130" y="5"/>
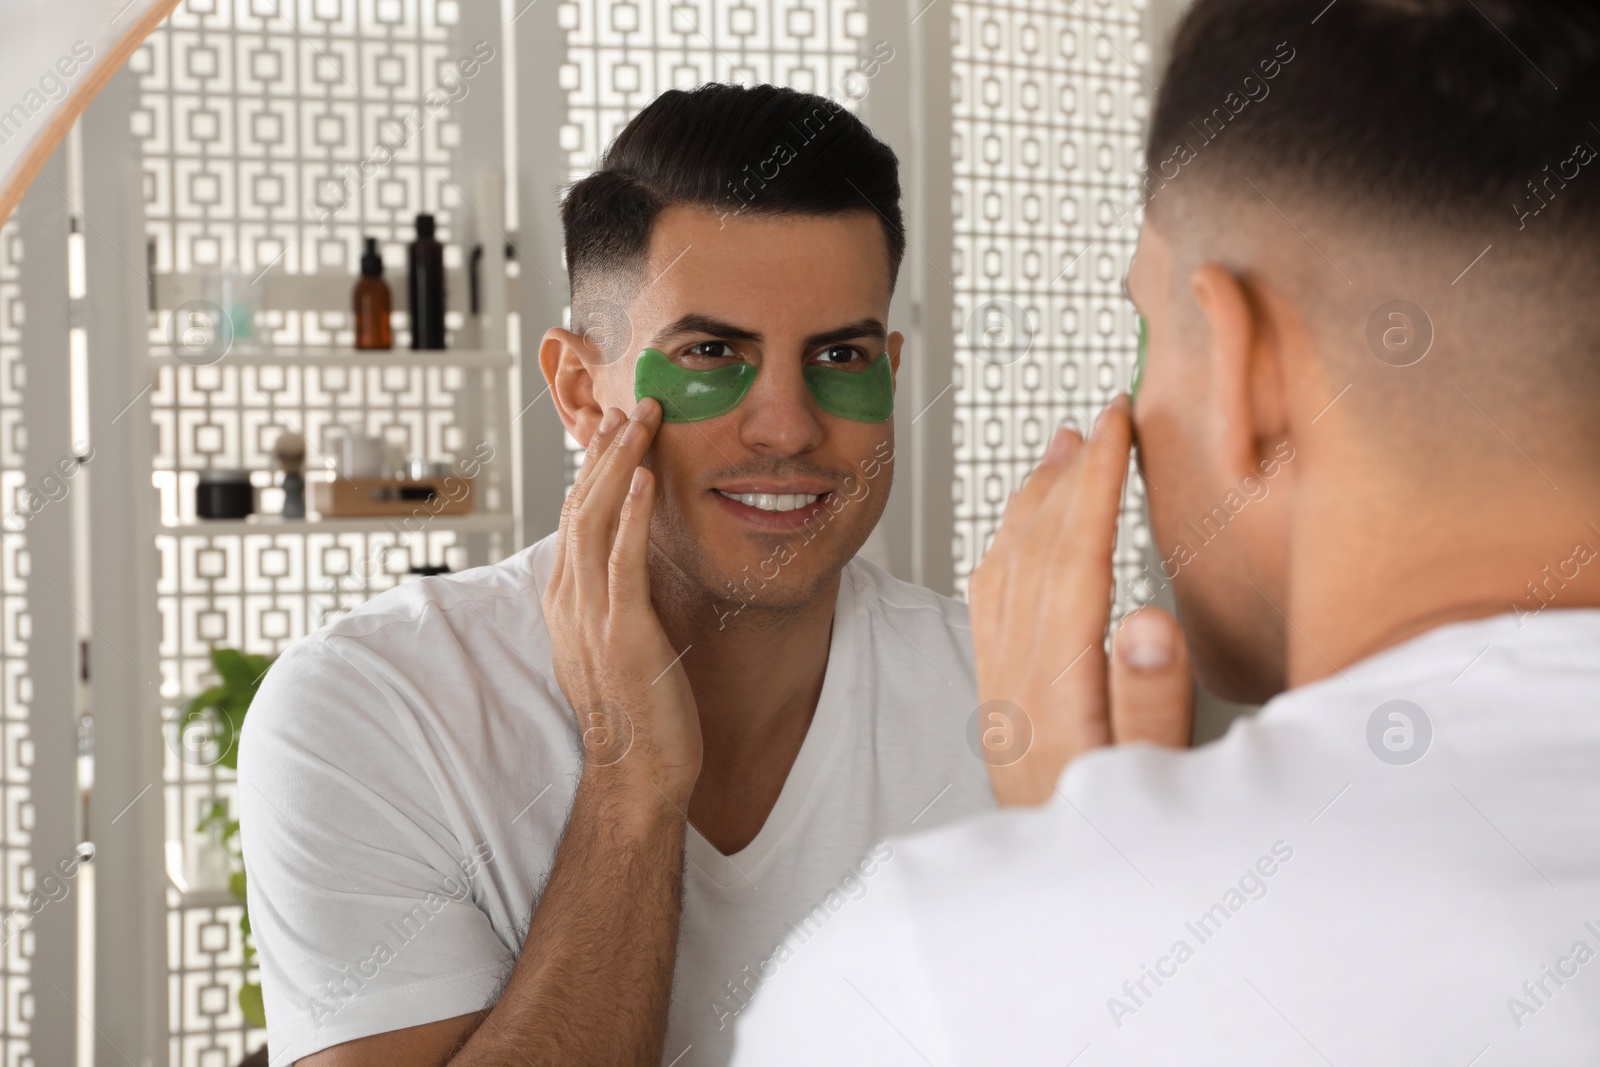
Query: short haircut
<point x="1455" y="112"/>
<point x="733" y="149"/>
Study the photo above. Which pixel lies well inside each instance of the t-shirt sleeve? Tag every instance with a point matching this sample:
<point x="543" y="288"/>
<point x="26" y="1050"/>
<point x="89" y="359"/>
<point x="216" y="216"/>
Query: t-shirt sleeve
<point x="853" y="993"/>
<point x="361" y="892"/>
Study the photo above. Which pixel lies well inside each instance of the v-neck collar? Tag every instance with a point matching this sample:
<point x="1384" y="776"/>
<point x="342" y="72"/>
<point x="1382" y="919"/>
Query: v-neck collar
<point x="810" y="764"/>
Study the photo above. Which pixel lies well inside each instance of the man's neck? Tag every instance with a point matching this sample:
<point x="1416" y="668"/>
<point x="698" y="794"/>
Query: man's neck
<point x="756" y="679"/>
<point x="1365" y="580"/>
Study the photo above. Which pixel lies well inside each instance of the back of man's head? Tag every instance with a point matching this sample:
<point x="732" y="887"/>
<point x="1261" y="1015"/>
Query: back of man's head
<point x="1438" y="109"/>
<point x="1399" y="203"/>
<point x="1402" y="133"/>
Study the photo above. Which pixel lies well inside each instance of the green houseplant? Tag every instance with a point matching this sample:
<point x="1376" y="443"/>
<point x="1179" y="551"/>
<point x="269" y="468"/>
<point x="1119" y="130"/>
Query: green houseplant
<point x="222" y="708"/>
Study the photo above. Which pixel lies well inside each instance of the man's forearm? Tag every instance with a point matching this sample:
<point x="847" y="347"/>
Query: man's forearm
<point x="594" y="979"/>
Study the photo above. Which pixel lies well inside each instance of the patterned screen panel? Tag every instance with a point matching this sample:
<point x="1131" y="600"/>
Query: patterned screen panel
<point x="621" y="54"/>
<point x="1049" y="105"/>
<point x="275" y="136"/>
<point x="258" y="592"/>
<point x="16" y="793"/>
<point x="279" y="133"/>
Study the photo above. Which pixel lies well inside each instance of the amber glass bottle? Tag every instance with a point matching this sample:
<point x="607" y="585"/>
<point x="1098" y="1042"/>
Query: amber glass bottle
<point x="372" y="301"/>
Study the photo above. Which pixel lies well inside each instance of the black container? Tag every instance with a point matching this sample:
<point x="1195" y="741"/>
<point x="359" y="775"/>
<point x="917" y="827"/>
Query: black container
<point x="294" y="495"/>
<point x="224" y="494"/>
<point x="425" y="287"/>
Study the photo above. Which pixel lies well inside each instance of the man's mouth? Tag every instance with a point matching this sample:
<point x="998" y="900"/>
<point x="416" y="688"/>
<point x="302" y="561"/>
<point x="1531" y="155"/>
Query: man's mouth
<point x="773" y="501"/>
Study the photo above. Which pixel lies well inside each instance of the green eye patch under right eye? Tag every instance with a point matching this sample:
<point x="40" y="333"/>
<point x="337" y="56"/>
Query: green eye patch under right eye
<point x="690" y="395"/>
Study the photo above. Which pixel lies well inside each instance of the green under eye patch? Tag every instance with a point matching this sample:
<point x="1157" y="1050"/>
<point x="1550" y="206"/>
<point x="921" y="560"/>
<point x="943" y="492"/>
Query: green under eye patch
<point x="691" y="395"/>
<point x="861" y="396"/>
<point x="1138" y="366"/>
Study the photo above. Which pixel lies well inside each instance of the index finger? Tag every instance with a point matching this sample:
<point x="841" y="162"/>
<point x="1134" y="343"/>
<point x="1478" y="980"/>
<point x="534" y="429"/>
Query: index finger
<point x="1066" y="539"/>
<point x="1063" y="466"/>
<point x="598" y="515"/>
<point x="1055" y="541"/>
<point x="626" y="451"/>
<point x="1080" y="505"/>
<point x="611" y="425"/>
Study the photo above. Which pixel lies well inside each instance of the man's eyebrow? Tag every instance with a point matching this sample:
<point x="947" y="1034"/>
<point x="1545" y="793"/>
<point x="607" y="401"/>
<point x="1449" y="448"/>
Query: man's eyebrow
<point x="697" y="323"/>
<point x="694" y="323"/>
<point x="868" y="327"/>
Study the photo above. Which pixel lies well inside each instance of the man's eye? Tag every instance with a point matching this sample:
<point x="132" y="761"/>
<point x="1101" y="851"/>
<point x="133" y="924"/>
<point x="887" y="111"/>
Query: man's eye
<point x="711" y="350"/>
<point x="840" y="355"/>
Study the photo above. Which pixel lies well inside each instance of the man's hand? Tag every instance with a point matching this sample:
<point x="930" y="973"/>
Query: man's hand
<point x="612" y="659"/>
<point x="1041" y="601"/>
<point x="593" y="983"/>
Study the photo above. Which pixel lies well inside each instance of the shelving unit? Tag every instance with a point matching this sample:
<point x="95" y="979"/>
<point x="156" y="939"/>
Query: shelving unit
<point x="200" y="899"/>
<point x="465" y="359"/>
<point x="481" y="522"/>
<point x="261" y="582"/>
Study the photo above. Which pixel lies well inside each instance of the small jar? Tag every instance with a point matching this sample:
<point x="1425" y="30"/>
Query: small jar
<point x="419" y="470"/>
<point x="224" y="494"/>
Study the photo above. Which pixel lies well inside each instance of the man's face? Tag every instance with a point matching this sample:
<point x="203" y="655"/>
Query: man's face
<point x="1216" y="533"/>
<point x="782" y="293"/>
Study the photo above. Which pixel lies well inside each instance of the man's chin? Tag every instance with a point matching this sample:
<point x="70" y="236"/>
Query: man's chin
<point x="738" y="571"/>
<point x="760" y="586"/>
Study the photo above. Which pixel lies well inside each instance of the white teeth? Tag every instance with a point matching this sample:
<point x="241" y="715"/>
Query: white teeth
<point x="773" y="501"/>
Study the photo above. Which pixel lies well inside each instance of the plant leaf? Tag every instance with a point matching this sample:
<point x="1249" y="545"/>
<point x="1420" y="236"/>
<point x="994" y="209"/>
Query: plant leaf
<point x="217" y="812"/>
<point x="234" y="668"/>
<point x="251" y="1005"/>
<point x="208" y="699"/>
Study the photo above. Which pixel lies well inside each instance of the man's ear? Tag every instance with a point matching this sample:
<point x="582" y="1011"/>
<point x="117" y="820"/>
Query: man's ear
<point x="569" y="369"/>
<point x="896" y="339"/>
<point x="1245" y="356"/>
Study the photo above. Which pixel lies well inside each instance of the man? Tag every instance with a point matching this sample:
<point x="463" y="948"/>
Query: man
<point x="565" y="809"/>
<point x="1373" y="290"/>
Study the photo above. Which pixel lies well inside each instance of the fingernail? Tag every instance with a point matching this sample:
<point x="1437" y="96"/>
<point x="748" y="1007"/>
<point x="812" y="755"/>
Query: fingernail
<point x="639" y="478"/>
<point x="639" y="409"/>
<point x="1058" y="447"/>
<point x="1146" y="642"/>
<point x="610" y="420"/>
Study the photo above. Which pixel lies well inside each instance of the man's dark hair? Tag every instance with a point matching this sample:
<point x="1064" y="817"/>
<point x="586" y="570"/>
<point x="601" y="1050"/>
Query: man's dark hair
<point x="734" y="149"/>
<point x="1453" y="111"/>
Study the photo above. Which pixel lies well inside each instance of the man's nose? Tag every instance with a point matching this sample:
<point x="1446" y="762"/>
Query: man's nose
<point x="779" y="417"/>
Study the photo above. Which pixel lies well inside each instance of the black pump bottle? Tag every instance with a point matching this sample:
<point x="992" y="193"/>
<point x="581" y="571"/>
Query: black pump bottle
<point x="425" y="287"/>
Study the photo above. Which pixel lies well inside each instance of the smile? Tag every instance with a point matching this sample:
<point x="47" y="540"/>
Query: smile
<point x="773" y="501"/>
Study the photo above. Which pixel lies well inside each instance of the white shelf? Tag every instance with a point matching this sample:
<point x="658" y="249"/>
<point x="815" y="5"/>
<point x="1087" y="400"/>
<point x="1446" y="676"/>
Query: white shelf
<point x="476" y="522"/>
<point x="343" y="357"/>
<point x="204" y="898"/>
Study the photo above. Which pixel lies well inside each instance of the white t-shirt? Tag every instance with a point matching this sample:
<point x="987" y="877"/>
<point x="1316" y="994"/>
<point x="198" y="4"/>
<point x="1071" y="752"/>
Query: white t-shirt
<point x="406" y="773"/>
<point x="1295" y="893"/>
